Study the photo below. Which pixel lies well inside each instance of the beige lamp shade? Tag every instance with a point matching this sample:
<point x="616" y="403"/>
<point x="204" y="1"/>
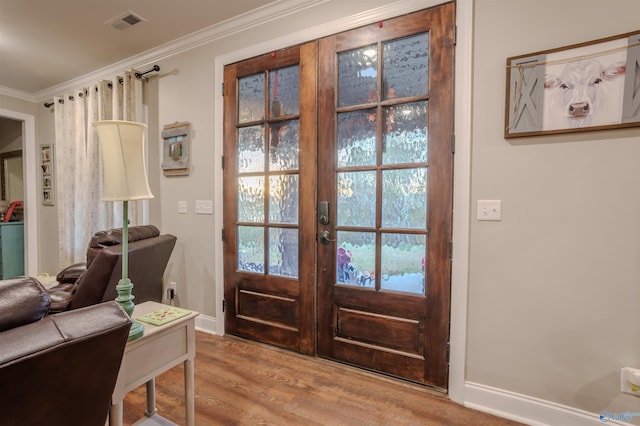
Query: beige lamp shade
<point x="124" y="167"/>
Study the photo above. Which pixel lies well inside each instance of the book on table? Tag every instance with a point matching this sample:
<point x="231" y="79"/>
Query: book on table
<point x="164" y="315"/>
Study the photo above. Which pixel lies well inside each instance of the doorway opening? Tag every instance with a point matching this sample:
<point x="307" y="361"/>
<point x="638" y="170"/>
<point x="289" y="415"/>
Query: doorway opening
<point x="26" y="142"/>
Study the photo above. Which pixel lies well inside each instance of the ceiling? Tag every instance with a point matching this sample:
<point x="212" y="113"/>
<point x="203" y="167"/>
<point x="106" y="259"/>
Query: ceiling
<point x="44" y="43"/>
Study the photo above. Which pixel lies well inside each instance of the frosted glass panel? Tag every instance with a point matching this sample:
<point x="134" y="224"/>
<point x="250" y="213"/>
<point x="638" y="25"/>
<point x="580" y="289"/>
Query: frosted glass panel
<point x="404" y="198"/>
<point x="356" y="258"/>
<point x="402" y="266"/>
<point x="283" y="252"/>
<point x="251" y="98"/>
<point x="357" y="138"/>
<point x="357" y="76"/>
<point x="405" y="66"/>
<point x="283" y="199"/>
<point x="251" y="199"/>
<point x="251" y="149"/>
<point x="251" y="249"/>
<point x="284" y="91"/>
<point x="356" y="198"/>
<point x="284" y="148"/>
<point x="405" y="134"/>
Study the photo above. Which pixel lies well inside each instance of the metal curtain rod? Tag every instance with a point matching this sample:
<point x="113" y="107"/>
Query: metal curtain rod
<point x="155" y="68"/>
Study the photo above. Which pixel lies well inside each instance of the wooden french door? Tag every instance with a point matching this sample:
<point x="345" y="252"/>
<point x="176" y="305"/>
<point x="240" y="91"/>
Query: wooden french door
<point x="385" y="170"/>
<point x="269" y="197"/>
<point x="362" y="209"/>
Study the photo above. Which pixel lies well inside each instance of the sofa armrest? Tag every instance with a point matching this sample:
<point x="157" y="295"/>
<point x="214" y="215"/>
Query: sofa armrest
<point x="70" y="274"/>
<point x="23" y="300"/>
<point x="60" y="296"/>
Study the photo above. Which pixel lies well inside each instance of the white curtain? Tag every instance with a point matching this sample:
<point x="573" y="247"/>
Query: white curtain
<point x="81" y="211"/>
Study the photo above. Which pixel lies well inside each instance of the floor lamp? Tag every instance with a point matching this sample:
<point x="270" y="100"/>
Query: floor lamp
<point x="125" y="179"/>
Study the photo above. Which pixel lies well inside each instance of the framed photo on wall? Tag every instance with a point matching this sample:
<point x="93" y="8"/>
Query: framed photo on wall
<point x="176" y="159"/>
<point x="588" y="86"/>
<point x="47" y="174"/>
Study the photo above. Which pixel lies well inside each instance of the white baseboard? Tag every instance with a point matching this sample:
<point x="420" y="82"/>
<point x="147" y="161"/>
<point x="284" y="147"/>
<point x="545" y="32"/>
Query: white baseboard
<point x="206" y="324"/>
<point x="528" y="410"/>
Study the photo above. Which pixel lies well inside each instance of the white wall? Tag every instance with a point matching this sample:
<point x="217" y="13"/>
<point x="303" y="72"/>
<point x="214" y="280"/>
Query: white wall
<point x="554" y="288"/>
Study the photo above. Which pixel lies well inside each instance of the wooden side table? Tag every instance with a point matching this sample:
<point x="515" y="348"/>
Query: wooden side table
<point x="158" y="350"/>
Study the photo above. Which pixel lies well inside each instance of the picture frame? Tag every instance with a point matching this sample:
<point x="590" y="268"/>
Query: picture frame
<point x="47" y="175"/>
<point x="176" y="149"/>
<point x="588" y="86"/>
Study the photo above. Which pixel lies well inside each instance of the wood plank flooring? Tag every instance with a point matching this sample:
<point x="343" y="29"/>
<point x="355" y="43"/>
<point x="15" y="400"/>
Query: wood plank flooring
<point x="239" y="382"/>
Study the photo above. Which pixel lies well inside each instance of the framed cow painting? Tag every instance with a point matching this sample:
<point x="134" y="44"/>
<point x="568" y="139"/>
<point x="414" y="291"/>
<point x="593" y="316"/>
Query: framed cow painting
<point x="582" y="87"/>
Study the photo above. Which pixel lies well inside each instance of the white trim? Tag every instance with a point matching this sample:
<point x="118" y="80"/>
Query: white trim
<point x="462" y="168"/>
<point x="207" y="324"/>
<point x="527" y="409"/>
<point x="18" y="94"/>
<point x="30" y="174"/>
<point x="218" y="151"/>
<point x="461" y="199"/>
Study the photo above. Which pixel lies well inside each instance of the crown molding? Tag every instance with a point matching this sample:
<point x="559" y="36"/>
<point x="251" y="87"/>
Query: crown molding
<point x="18" y="94"/>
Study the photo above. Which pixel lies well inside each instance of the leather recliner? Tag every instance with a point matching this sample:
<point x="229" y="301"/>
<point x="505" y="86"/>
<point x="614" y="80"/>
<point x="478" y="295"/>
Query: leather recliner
<point x="58" y="369"/>
<point x="84" y="284"/>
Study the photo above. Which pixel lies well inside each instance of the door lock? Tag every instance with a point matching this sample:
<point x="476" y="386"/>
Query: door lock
<point x="323" y="212"/>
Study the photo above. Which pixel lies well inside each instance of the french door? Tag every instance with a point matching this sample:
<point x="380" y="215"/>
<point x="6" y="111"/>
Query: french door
<point x="269" y="197"/>
<point x="385" y="97"/>
<point x="338" y="196"/>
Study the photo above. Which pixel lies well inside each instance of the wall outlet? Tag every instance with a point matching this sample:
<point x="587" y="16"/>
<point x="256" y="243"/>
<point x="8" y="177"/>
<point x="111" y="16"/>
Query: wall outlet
<point x="171" y="290"/>
<point x="630" y="380"/>
<point x="204" y="207"/>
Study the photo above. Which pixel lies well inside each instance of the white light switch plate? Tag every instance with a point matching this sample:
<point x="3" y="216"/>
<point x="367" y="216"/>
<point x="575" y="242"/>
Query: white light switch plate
<point x="490" y="210"/>
<point x="182" y="207"/>
<point x="204" y="207"/>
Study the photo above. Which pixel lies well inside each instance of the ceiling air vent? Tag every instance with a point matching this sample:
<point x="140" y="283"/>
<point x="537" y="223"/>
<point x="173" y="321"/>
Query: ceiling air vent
<point x="125" y="20"/>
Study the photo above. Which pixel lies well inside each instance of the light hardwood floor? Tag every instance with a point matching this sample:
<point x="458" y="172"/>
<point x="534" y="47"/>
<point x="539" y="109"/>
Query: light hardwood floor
<point x="239" y="382"/>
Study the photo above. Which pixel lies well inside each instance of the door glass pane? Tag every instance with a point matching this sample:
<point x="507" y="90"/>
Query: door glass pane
<point x="356" y="258"/>
<point x="404" y="198"/>
<point x="356" y="198"/>
<point x="251" y="149"/>
<point x="251" y="98"/>
<point x="283" y="252"/>
<point x="357" y="76"/>
<point x="270" y="193"/>
<point x="283" y="199"/>
<point x="402" y="265"/>
<point x="284" y="88"/>
<point x="283" y="145"/>
<point x="357" y="138"/>
<point x="405" y="133"/>
<point x="251" y="199"/>
<point x="251" y="249"/>
<point x="405" y="67"/>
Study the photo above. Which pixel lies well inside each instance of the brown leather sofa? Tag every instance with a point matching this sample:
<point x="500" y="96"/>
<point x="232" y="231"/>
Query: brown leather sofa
<point x="60" y="369"/>
<point x="95" y="281"/>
